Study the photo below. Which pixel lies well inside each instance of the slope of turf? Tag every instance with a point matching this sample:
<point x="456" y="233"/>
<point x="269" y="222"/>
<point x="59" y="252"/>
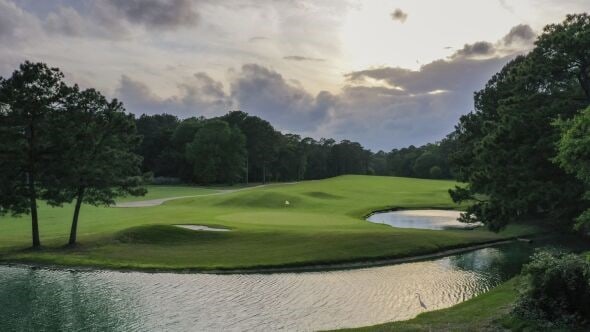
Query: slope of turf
<point x="323" y="224"/>
<point x="486" y="312"/>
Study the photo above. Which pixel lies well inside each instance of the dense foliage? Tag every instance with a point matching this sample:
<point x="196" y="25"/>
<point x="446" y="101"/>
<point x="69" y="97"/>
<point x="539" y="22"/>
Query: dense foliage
<point x="505" y="148"/>
<point x="574" y="155"/>
<point x="170" y="145"/>
<point x="60" y="144"/>
<point x="555" y="290"/>
<point x="30" y="100"/>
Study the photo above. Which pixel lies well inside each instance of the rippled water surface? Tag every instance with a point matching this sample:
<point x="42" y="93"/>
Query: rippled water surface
<point x="424" y="219"/>
<point x="34" y="299"/>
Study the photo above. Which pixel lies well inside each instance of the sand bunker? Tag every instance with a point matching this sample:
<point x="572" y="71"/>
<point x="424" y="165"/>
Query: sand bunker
<point x="203" y="228"/>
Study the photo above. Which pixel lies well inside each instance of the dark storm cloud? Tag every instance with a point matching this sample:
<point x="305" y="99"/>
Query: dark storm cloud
<point x="302" y="58"/>
<point x="157" y="13"/>
<point x="399" y="15"/>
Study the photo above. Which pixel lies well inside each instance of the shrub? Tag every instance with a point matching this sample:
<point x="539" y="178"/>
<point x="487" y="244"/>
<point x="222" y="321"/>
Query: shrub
<point x="555" y="290"/>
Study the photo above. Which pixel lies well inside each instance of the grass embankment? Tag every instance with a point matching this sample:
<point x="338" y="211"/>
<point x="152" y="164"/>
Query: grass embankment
<point x="323" y="224"/>
<point x="486" y="312"/>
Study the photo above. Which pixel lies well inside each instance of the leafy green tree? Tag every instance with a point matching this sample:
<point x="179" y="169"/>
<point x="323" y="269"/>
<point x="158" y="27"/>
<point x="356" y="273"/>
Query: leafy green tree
<point x="574" y="154"/>
<point x="378" y="163"/>
<point x="348" y="157"/>
<point x="506" y="146"/>
<point x="435" y="172"/>
<point x="318" y="153"/>
<point x="423" y="164"/>
<point x="217" y="153"/>
<point x="99" y="154"/>
<point x="555" y="291"/>
<point x="29" y="100"/>
<point x="184" y="134"/>
<point x="262" y="143"/>
<point x="157" y="149"/>
<point x="291" y="160"/>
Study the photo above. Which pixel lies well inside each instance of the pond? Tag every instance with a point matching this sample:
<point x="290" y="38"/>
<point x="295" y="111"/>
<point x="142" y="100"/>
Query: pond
<point x="423" y="219"/>
<point x="42" y="299"/>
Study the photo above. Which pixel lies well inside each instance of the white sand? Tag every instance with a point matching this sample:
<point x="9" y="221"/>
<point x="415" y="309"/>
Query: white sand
<point x="203" y="228"/>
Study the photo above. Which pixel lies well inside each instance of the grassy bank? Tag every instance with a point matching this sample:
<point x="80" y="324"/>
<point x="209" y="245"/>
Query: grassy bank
<point x="323" y="224"/>
<point x="486" y="312"/>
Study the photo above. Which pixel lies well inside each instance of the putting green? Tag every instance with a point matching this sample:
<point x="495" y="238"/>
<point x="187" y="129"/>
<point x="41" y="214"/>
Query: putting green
<point x="323" y="223"/>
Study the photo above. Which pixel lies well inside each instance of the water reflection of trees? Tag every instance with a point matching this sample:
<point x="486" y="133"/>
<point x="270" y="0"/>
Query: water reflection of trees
<point x="500" y="262"/>
<point x="33" y="300"/>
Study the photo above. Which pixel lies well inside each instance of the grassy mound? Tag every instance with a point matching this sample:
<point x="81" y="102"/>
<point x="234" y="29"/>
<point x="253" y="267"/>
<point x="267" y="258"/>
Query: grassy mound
<point x="321" y="195"/>
<point x="323" y="224"/>
<point x="165" y="234"/>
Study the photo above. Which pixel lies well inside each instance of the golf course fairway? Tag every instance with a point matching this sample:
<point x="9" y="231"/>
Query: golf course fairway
<point x="323" y="223"/>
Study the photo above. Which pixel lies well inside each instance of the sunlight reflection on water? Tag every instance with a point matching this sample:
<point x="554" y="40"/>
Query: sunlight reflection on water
<point x="33" y="299"/>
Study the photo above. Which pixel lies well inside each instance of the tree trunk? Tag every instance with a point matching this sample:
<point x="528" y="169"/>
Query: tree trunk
<point x="34" y="217"/>
<point x="263" y="173"/>
<point x="31" y="175"/>
<point x="74" y="230"/>
<point x="247" y="168"/>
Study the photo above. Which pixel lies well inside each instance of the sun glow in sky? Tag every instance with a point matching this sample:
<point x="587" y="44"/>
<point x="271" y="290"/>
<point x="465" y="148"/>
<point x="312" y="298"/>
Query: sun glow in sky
<point x="386" y="73"/>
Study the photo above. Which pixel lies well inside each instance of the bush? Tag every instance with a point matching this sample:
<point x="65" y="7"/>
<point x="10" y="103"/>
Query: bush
<point x="555" y="290"/>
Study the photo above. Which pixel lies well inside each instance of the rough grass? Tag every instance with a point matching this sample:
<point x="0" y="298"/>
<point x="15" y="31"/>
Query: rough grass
<point x="323" y="224"/>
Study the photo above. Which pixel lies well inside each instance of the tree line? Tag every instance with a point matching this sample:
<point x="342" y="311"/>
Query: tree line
<point x="524" y="151"/>
<point x="238" y="147"/>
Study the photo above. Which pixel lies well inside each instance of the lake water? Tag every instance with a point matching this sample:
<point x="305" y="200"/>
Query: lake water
<point x="423" y="219"/>
<point x="41" y="299"/>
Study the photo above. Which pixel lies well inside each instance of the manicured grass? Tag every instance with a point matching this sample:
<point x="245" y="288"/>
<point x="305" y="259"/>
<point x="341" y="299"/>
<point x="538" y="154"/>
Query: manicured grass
<point x="323" y="224"/>
<point x="486" y="312"/>
<point x="156" y="192"/>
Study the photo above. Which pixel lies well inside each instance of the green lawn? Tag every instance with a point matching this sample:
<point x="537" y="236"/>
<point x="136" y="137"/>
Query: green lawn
<point x="323" y="224"/>
<point x="155" y="192"/>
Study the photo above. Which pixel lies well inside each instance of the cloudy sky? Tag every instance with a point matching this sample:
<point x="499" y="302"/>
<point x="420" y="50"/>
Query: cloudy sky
<point x="384" y="73"/>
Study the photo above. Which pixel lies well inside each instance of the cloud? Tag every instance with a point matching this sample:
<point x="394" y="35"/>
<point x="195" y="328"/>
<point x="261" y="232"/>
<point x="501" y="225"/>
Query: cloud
<point x="114" y="19"/>
<point x="254" y="89"/>
<point x="519" y="39"/>
<point x="69" y="22"/>
<point x="257" y="39"/>
<point x="264" y="92"/>
<point x="302" y="58"/>
<point x="519" y="33"/>
<point x="157" y="13"/>
<point x="409" y="106"/>
<point x="16" y="25"/>
<point x="201" y="95"/>
<point x="391" y="106"/>
<point x="399" y="15"/>
<point x="481" y="48"/>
